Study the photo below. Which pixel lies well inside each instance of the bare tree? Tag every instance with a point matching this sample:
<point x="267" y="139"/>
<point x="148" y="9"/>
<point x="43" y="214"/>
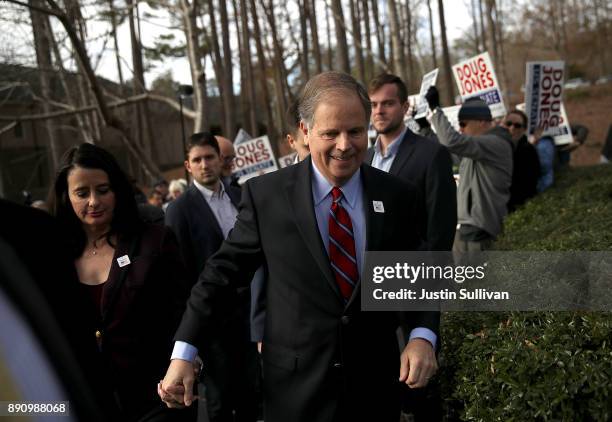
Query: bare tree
<point x="228" y="80"/>
<point x="190" y="11"/>
<point x="474" y="26"/>
<point x="445" y="54"/>
<point x="329" y="48"/>
<point x="356" y="27"/>
<point x="432" y="36"/>
<point x="341" y="44"/>
<point x="380" y="33"/>
<point x="314" y="32"/>
<point x="399" y="58"/>
<point x="303" y="10"/>
<point x="42" y="46"/>
<point x="369" y="65"/>
<point x="248" y="68"/>
<point x="263" y="80"/>
<point x="143" y="130"/>
<point x="101" y="107"/>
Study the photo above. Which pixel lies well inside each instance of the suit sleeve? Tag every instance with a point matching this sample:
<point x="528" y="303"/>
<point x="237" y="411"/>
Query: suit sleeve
<point x="422" y="319"/>
<point x="177" y="221"/>
<point x="232" y="266"/>
<point x="441" y="202"/>
<point x="474" y="147"/>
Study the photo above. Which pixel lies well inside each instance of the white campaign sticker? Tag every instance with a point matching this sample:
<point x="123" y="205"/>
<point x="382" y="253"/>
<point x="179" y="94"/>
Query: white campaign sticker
<point x="378" y="206"/>
<point x="123" y="260"/>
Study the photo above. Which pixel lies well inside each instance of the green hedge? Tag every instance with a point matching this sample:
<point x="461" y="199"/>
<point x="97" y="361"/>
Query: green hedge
<point x="537" y="366"/>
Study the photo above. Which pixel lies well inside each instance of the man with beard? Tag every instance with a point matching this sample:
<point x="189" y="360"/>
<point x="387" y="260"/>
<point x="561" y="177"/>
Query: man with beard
<point x="416" y="159"/>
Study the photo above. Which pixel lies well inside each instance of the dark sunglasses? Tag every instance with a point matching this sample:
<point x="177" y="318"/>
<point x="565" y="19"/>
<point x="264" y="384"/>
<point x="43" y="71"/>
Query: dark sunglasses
<point x="516" y="125"/>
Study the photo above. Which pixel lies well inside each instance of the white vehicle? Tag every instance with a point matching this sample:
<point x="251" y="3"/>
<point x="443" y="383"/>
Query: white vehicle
<point x="576" y="83"/>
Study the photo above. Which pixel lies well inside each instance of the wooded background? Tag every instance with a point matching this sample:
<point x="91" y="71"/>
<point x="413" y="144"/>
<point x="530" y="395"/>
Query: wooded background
<point x="250" y="58"/>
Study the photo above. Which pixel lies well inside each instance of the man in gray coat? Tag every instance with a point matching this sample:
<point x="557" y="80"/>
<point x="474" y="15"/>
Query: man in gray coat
<point x="485" y="172"/>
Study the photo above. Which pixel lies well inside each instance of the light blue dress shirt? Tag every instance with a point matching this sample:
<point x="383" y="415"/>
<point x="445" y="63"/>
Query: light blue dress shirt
<point x="384" y="161"/>
<point x="352" y="202"/>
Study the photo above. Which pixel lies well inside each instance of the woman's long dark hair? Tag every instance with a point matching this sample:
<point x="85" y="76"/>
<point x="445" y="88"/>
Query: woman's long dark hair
<point x="126" y="220"/>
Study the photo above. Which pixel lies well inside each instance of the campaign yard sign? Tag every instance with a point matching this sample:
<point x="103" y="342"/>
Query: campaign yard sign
<point x="287" y="160"/>
<point x="475" y="77"/>
<point x="429" y="79"/>
<point x="253" y="158"/>
<point x="544" y="99"/>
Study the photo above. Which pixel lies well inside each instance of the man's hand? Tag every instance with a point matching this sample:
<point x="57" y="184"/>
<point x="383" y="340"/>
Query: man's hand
<point x="418" y="363"/>
<point x="433" y="97"/>
<point x="176" y="389"/>
<point x="259" y="344"/>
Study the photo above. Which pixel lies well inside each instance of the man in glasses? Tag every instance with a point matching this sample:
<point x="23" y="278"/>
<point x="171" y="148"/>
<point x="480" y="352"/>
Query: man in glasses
<point x="526" y="163"/>
<point x="227" y="155"/>
<point x="485" y="170"/>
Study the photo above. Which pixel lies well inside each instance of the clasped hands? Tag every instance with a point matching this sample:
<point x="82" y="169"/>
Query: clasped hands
<point x="417" y="365"/>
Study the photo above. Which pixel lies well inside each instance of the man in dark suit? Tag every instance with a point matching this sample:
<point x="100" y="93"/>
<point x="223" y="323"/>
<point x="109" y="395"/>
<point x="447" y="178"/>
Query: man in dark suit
<point x="310" y="225"/>
<point x="201" y="218"/>
<point x="419" y="160"/>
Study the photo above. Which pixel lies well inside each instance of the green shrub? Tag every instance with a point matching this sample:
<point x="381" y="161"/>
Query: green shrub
<point x="539" y="365"/>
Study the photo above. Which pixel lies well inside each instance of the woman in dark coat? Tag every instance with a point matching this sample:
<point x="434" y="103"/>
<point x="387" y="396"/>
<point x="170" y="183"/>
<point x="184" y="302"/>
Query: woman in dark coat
<point x="130" y="274"/>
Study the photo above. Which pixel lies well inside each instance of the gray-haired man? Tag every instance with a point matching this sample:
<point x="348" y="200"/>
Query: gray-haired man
<point x="309" y="224"/>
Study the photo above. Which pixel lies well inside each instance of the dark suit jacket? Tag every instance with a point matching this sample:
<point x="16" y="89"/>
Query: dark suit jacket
<point x="196" y="228"/>
<point x="322" y="358"/>
<point x="525" y="174"/>
<point x="428" y="165"/>
<point x="140" y="312"/>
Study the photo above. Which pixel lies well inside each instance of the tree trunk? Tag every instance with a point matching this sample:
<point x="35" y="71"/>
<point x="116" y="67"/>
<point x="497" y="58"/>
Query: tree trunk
<point x="248" y="67"/>
<point x="399" y="58"/>
<point x="432" y="36"/>
<point x="330" y="61"/>
<point x="303" y="10"/>
<point x="341" y="44"/>
<point x="63" y="76"/>
<point x="144" y="131"/>
<point x="113" y="20"/>
<point x="217" y="64"/>
<point x="194" y="54"/>
<point x="42" y="46"/>
<point x="261" y="62"/>
<point x="411" y="77"/>
<point x="380" y="33"/>
<point x="500" y="43"/>
<point x="446" y="56"/>
<point x="474" y="26"/>
<point x="369" y="64"/>
<point x="356" y="26"/>
<point x="228" y="80"/>
<point x="314" y="32"/>
<point x="491" y="32"/>
<point x="483" y="34"/>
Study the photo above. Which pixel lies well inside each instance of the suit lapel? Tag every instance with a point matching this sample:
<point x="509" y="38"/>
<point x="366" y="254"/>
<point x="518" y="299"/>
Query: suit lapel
<point x="369" y="155"/>
<point x="299" y="192"/>
<point x="202" y="210"/>
<point x="406" y="149"/>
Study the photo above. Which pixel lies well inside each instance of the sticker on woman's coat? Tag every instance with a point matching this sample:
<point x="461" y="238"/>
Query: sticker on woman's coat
<point x="123" y="260"/>
<point x="378" y="206"/>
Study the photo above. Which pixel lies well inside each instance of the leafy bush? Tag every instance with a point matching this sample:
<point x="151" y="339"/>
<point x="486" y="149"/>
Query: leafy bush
<point x="538" y="365"/>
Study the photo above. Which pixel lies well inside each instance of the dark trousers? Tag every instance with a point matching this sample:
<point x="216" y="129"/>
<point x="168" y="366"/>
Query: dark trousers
<point x="230" y="378"/>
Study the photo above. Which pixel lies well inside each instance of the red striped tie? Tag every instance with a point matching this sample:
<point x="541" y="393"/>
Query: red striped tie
<point x="342" y="246"/>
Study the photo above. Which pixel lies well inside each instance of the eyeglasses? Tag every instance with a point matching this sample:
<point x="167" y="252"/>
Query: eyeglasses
<point x="509" y="124"/>
<point x="229" y="158"/>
